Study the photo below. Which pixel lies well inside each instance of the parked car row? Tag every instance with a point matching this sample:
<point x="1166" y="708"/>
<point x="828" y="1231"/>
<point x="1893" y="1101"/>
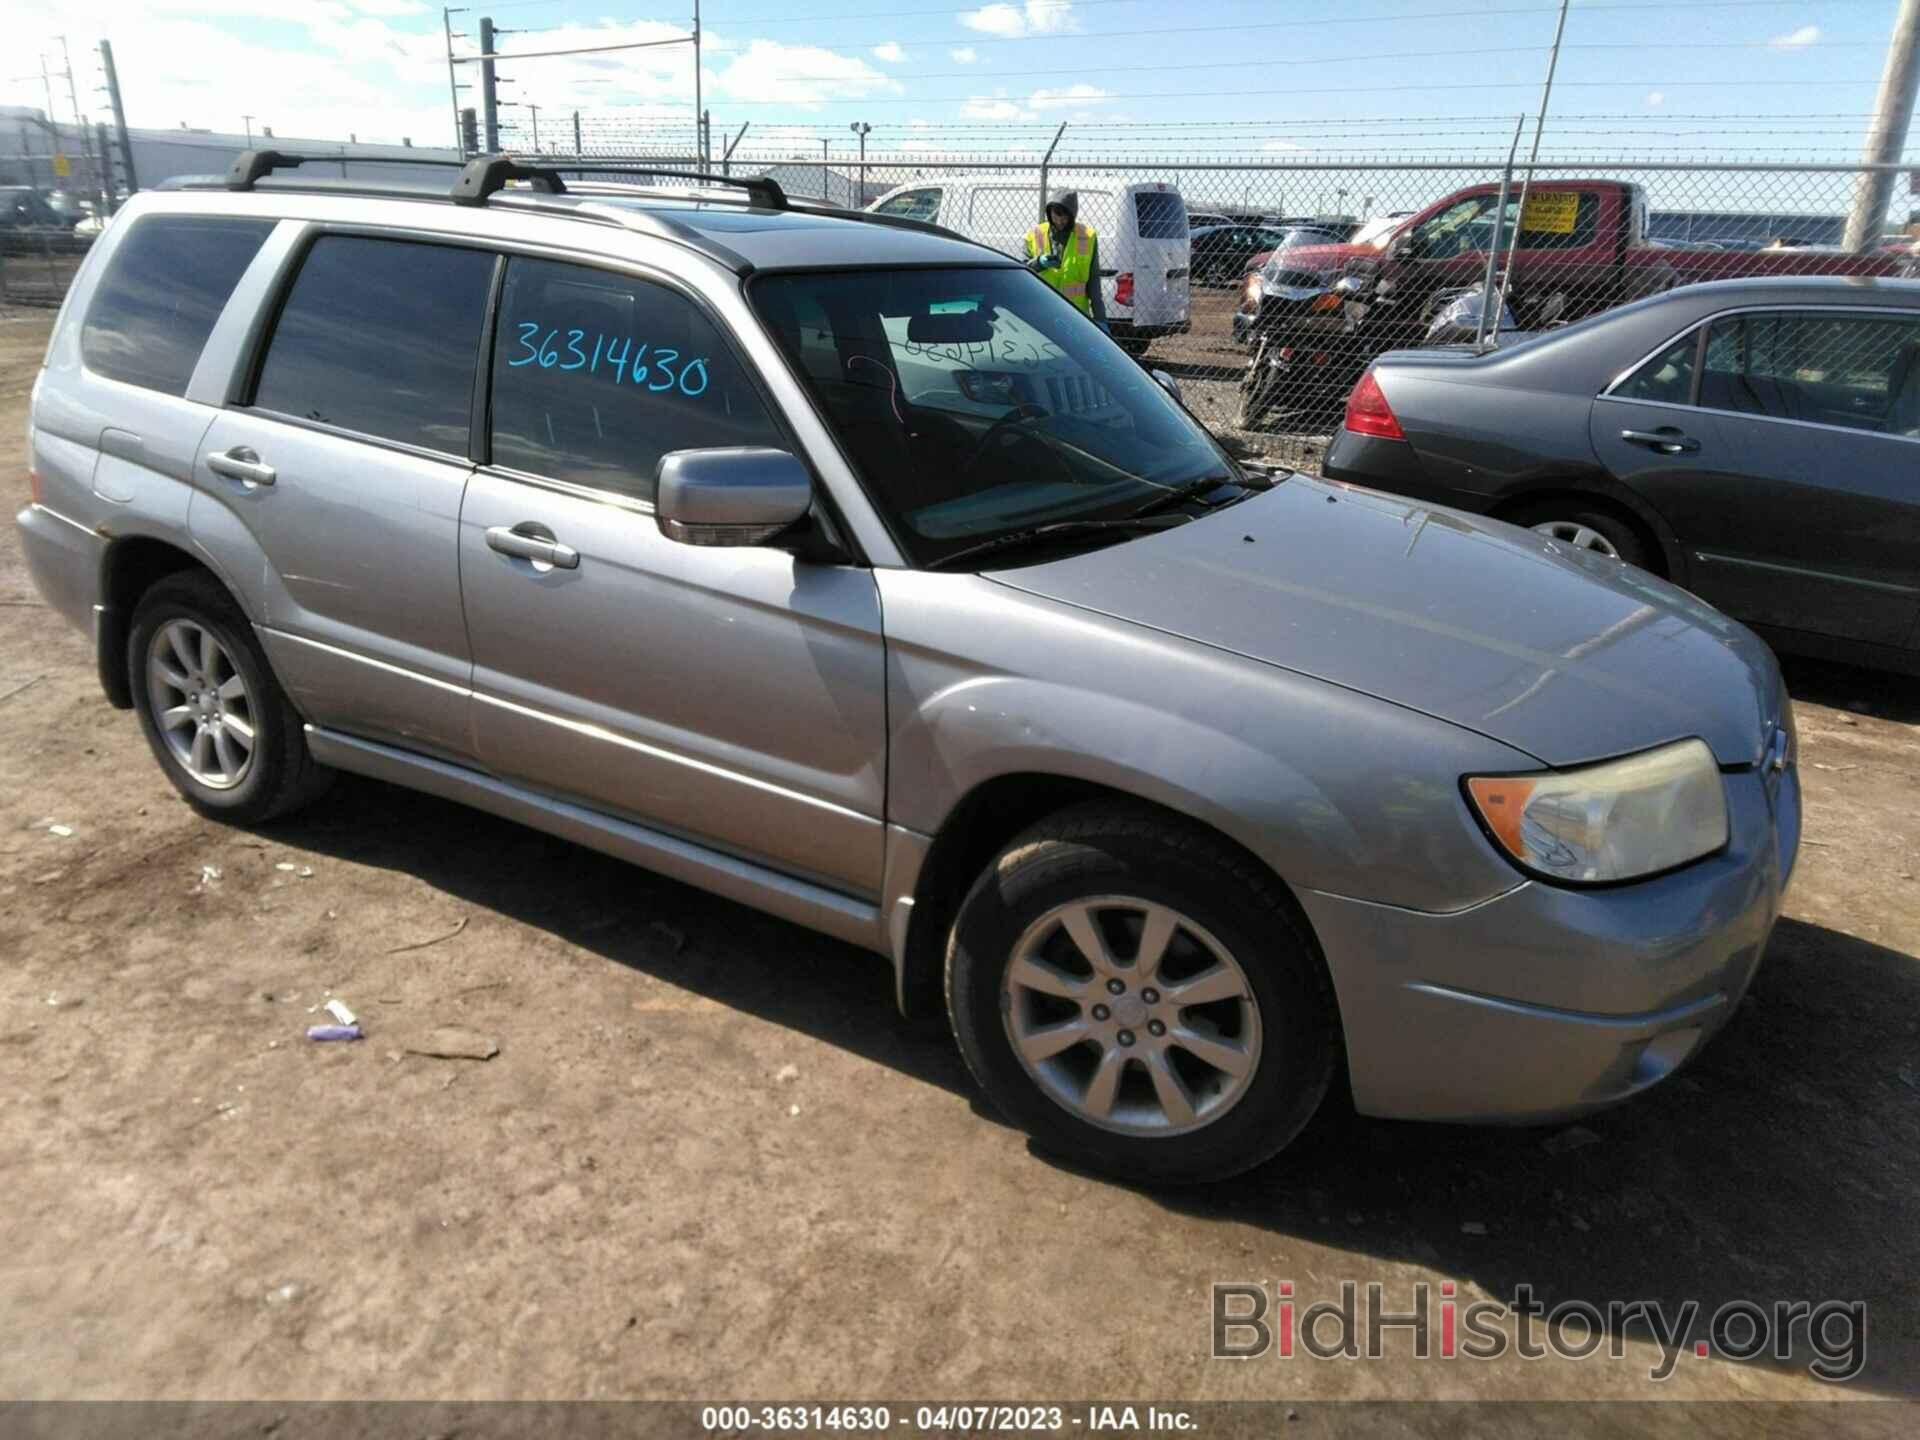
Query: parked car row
<point x="1754" y="440"/>
<point x="836" y="564"/>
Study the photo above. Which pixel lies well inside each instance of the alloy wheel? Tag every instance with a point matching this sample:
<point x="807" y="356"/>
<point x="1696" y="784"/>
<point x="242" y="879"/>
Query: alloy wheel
<point x="1131" y="1016"/>
<point x="201" y="704"/>
<point x="1580" y="537"/>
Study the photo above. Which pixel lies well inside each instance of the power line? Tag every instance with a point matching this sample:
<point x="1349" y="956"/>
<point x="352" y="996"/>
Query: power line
<point x="1082" y="102"/>
<point x="1369" y="58"/>
<point x="1317" y="21"/>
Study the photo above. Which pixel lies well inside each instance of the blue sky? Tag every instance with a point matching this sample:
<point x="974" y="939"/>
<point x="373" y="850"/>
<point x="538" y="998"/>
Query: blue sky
<point x="1154" y="75"/>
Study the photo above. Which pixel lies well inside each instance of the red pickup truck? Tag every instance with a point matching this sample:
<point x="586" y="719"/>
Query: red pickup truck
<point x="1583" y="248"/>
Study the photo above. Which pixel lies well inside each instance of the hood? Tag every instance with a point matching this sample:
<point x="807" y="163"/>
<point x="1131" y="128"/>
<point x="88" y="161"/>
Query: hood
<point x="1566" y="656"/>
<point x="1321" y="257"/>
<point x="1068" y="200"/>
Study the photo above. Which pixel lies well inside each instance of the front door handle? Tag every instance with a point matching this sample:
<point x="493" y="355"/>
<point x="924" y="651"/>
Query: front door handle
<point x="523" y="542"/>
<point x="241" y="463"/>
<point x="1667" y="441"/>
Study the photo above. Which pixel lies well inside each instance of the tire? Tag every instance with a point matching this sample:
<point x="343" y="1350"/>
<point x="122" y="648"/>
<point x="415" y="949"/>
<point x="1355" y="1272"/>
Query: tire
<point x="1133" y="345"/>
<point x="1578" y="522"/>
<point x="1018" y="923"/>
<point x="1256" y="391"/>
<point x="274" y="774"/>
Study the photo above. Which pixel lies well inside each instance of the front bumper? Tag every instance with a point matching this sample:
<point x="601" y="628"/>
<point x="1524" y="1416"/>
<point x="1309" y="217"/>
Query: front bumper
<point x="1545" y="1003"/>
<point x="1127" y="330"/>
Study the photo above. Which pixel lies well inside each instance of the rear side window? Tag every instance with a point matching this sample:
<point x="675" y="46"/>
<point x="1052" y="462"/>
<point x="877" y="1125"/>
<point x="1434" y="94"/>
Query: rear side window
<point x="162" y="292"/>
<point x="1668" y="377"/>
<point x="382" y="337"/>
<point x="597" y="375"/>
<point x="1160" y="214"/>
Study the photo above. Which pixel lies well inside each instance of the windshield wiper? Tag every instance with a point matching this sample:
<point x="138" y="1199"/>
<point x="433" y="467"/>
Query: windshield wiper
<point x="1192" y="490"/>
<point x="1060" y="529"/>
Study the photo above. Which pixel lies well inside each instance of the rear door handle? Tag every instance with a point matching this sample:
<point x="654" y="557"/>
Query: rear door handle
<point x="524" y="546"/>
<point x="241" y="463"/>
<point x="1667" y="442"/>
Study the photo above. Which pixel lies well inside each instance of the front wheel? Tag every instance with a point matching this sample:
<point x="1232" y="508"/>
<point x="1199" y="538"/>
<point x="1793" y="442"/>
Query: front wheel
<point x="1140" y="997"/>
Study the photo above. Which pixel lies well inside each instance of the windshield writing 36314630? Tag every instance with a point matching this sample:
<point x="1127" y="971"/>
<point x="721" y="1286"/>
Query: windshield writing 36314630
<point x="658" y="370"/>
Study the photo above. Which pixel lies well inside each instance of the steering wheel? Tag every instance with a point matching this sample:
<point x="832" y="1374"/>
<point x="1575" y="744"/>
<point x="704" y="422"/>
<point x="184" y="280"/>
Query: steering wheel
<point x="1001" y="432"/>
<point x="1023" y="411"/>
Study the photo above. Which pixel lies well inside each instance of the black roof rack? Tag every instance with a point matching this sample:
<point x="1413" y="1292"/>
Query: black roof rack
<point x="251" y="165"/>
<point x="762" y="190"/>
<point x="489" y="175"/>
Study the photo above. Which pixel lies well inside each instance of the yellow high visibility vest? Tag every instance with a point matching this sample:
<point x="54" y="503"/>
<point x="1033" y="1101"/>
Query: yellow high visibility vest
<point x="1075" y="270"/>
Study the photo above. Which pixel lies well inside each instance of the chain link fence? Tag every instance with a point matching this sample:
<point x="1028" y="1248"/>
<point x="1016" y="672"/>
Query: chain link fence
<point x="1264" y="287"/>
<point x="37" y="265"/>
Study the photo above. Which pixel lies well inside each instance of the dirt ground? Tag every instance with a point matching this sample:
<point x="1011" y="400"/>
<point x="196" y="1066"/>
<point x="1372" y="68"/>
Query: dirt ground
<point x="710" y="1162"/>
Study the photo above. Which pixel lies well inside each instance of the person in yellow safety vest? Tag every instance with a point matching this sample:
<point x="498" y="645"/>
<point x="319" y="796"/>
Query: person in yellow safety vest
<point x="1066" y="254"/>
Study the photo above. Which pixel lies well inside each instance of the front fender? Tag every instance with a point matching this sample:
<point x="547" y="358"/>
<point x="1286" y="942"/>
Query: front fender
<point x="1333" y="790"/>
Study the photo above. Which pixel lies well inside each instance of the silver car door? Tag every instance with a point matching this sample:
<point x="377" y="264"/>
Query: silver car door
<point x="344" y="470"/>
<point x="734" y="697"/>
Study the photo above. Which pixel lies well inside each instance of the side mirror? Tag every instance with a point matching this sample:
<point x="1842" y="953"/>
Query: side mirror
<point x="1166" y="382"/>
<point x="739" y="496"/>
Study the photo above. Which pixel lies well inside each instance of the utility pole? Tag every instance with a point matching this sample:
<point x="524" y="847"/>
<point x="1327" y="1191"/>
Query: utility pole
<point x="119" y="115"/>
<point x="534" y="111"/>
<point x="860" y="128"/>
<point x="1893" y="113"/>
<point x="706" y="141"/>
<point x="453" y="85"/>
<point x="247" y="120"/>
<point x="489" y="96"/>
<point x="699" y="111"/>
<point x="79" y="120"/>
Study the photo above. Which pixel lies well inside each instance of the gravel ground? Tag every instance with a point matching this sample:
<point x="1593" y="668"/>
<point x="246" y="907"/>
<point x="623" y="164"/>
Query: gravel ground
<point x="710" y="1162"/>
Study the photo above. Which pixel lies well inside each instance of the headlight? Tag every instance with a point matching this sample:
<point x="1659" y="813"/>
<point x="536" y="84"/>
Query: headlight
<point x="1614" y="821"/>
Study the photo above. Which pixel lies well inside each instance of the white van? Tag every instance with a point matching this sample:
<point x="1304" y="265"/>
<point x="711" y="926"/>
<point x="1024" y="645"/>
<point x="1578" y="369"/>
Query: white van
<point x="1142" y="227"/>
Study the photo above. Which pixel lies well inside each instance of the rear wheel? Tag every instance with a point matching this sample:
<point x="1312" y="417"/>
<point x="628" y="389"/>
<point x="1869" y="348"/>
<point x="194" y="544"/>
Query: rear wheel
<point x="1581" y="525"/>
<point x="214" y="715"/>
<point x="1140" y="997"/>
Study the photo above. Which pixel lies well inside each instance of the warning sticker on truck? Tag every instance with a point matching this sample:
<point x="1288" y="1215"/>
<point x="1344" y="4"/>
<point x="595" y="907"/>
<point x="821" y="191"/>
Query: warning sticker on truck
<point x="1552" y="212"/>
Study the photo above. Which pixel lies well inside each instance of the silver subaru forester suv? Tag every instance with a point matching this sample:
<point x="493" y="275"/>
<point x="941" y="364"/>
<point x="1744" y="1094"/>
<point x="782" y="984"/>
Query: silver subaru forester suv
<point x="836" y="564"/>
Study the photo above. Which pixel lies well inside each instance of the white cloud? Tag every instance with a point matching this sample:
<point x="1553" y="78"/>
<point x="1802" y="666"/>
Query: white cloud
<point x="389" y="8"/>
<point x="1656" y="98"/>
<point x="1034" y="17"/>
<point x="985" y="107"/>
<point x="805" y="75"/>
<point x="1283" y="147"/>
<point x="965" y="55"/>
<point x="1072" y="97"/>
<point x="1797" y="39"/>
<point x="890" y="52"/>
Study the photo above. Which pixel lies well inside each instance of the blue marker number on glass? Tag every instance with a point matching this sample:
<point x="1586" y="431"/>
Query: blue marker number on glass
<point x="629" y="361"/>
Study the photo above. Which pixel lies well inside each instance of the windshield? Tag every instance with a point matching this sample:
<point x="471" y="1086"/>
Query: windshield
<point x="975" y="402"/>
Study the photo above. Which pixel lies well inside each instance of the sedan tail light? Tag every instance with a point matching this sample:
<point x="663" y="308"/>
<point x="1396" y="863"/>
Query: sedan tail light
<point x="1123" y="288"/>
<point x="1368" y="412"/>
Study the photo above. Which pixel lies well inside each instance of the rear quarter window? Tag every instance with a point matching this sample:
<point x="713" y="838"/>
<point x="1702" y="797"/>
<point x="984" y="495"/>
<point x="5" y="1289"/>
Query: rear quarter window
<point x="161" y="294"/>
